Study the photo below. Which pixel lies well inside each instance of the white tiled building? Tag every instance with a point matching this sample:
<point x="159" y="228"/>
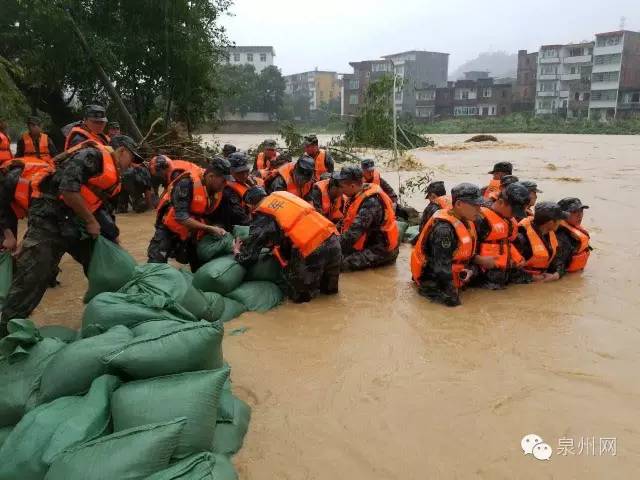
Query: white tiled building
<point x="259" y="57"/>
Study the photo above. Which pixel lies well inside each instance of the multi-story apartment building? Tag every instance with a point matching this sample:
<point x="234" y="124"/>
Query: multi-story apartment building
<point x="415" y="70"/>
<point x="615" y="81"/>
<point x="524" y="89"/>
<point x="259" y="57"/>
<point x="317" y="85"/>
<point x="563" y="79"/>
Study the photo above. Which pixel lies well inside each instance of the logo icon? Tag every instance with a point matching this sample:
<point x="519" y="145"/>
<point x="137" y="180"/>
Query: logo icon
<point x="533" y="444"/>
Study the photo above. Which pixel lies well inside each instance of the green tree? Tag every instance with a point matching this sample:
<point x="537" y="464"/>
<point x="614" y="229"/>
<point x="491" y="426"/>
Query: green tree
<point x="271" y="86"/>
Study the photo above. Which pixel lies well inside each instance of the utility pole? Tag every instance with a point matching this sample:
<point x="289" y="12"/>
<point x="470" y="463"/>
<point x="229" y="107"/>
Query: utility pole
<point x="128" y="119"/>
<point x="395" y="131"/>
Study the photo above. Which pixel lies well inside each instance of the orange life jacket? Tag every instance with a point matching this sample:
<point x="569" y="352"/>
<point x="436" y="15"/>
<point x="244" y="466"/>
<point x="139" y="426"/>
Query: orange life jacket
<point x="43" y="146"/>
<point x="5" y="148"/>
<point x="467" y="238"/>
<point x="182" y="166"/>
<point x="332" y="209"/>
<point x="262" y="162"/>
<point x="541" y="258"/>
<point x="300" y="223"/>
<point x="201" y="204"/>
<point x="320" y="166"/>
<point x="106" y="184"/>
<point x="389" y="226"/>
<point x="493" y="187"/>
<point x="444" y="202"/>
<point x="376" y="178"/>
<point x="33" y="172"/>
<point x="286" y="172"/>
<point x="581" y="255"/>
<point x="498" y="242"/>
<point x="86" y="133"/>
<point x="240" y="189"/>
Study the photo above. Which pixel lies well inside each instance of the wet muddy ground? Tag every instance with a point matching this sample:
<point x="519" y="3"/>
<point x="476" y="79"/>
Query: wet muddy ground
<point x="377" y="383"/>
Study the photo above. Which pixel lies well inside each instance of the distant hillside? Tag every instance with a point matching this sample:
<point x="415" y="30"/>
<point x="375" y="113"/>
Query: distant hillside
<point x="499" y="64"/>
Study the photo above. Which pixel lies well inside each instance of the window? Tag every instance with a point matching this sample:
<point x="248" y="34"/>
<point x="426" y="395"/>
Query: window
<point x="609" y="41"/>
<point x="573" y="70"/>
<point x="576" y="52"/>
<point x="504" y="94"/>
<point x="398" y="96"/>
<point x="249" y="57"/>
<point x="607" y="59"/>
<point x="605" y="77"/>
<point x="423" y="112"/>
<point x="577" y="96"/>
<point x="380" y="67"/>
<point x="632" y="97"/>
<point x="526" y="92"/>
<point x="586" y="96"/>
<point x="428" y="95"/>
<point x="549" y="53"/>
<point x="353" y="99"/>
<point x="526" y="76"/>
<point x="493" y="110"/>
<point x="549" y="69"/>
<point x="605" y="95"/>
<point x="547" y="86"/>
<point x="354" y="84"/>
<point x="263" y="57"/>
<point x="503" y="110"/>
<point x="486" y="93"/>
<point x="461" y="111"/>
<point x="236" y="57"/>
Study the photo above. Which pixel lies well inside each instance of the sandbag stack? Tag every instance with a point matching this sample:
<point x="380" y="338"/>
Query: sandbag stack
<point x="142" y="391"/>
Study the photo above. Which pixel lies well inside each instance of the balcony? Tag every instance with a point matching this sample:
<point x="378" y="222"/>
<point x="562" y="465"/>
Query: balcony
<point x="547" y="94"/>
<point x="574" y="60"/>
<point x="567" y="77"/>
<point x="564" y="94"/>
<point x="608" y="50"/>
<point x="606" y="67"/>
<point x="604" y="85"/>
<point x="549" y="60"/>
<point x="603" y="104"/>
<point x="548" y="76"/>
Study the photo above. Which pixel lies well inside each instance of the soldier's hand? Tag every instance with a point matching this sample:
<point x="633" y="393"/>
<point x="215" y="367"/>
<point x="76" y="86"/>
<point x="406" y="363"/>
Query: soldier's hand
<point x="216" y="231"/>
<point x="9" y="244"/>
<point x="466" y="275"/>
<point x="485" y="262"/>
<point x="93" y="229"/>
<point x="237" y="244"/>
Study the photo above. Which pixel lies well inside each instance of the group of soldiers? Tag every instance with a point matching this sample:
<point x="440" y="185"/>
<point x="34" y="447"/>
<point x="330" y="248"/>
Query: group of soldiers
<point x="495" y="236"/>
<point x="317" y="222"/>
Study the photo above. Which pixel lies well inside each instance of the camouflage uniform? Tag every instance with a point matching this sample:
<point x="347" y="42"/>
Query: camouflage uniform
<point x="53" y="230"/>
<point x="369" y="219"/>
<point x="136" y="182"/>
<point x="305" y="277"/>
<point x="230" y="212"/>
<point x="388" y="189"/>
<point x="277" y="184"/>
<point x="8" y="219"/>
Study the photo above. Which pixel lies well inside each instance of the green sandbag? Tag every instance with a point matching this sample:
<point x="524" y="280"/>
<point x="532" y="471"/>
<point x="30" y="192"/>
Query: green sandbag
<point x="411" y="233"/>
<point x="157" y="279"/>
<point x="109" y="309"/>
<point x="215" y="304"/>
<point x="230" y="433"/>
<point x="109" y="269"/>
<point x="72" y="370"/>
<point x="221" y="275"/>
<point x="6" y="275"/>
<point x="66" y="334"/>
<point x="135" y="453"/>
<point x="402" y="228"/>
<point x="20" y="376"/>
<point x="211" y="247"/>
<point x="258" y="296"/>
<point x="241" y="231"/>
<point x="196" y="302"/>
<point x="201" y="466"/>
<point x="49" y="429"/>
<point x="4" y="434"/>
<point x="266" y="269"/>
<point x="232" y="309"/>
<point x="193" y="395"/>
<point x="155" y="327"/>
<point x="186" y="348"/>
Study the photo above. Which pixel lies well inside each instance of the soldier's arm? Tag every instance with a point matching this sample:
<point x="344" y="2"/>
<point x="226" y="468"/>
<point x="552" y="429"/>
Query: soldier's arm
<point x="277" y="184"/>
<point x="369" y="211"/>
<point x="315" y="198"/>
<point x="53" y="151"/>
<point x="328" y="162"/>
<point x="237" y="214"/>
<point x="386" y="188"/>
<point x="439" y="248"/>
<point x="262" y="234"/>
<point x="563" y="254"/>
<point x="20" y="148"/>
<point x="181" y="197"/>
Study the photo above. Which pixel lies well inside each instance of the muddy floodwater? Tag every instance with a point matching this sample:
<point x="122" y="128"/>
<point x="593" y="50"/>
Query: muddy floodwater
<point x="378" y="383"/>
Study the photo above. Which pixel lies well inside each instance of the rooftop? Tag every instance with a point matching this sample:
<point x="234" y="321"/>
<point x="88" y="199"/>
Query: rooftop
<point x="252" y="49"/>
<point x="617" y="32"/>
<point x="413" y="51"/>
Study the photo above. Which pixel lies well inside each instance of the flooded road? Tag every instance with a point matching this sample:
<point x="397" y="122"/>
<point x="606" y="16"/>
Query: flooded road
<point x="378" y="383"/>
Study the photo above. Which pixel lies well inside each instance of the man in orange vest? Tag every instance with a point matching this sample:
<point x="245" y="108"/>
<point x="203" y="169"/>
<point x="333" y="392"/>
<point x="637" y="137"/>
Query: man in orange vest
<point x="573" y="239"/>
<point x="497" y="228"/>
<point x="90" y="128"/>
<point x="372" y="175"/>
<point x="5" y="143"/>
<point x="537" y="242"/>
<point x="297" y="178"/>
<point x="182" y="214"/>
<point x="263" y="159"/>
<point x="228" y="149"/>
<point x="505" y="181"/>
<point x="443" y="257"/>
<point x="533" y="197"/>
<point x="113" y="129"/>
<point x="369" y="232"/>
<point x="321" y="156"/>
<point x="305" y="243"/>
<point x="68" y="209"/>
<point x="35" y="143"/>
<point x="268" y="174"/>
<point x="237" y="185"/>
<point x="500" y="169"/>
<point x="436" y="193"/>
<point x="326" y="197"/>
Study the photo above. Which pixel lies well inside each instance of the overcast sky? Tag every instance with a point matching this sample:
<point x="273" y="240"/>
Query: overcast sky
<point x="328" y="34"/>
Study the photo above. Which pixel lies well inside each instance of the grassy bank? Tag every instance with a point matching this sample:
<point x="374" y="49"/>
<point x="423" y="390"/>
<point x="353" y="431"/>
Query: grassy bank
<point x="519" y="123"/>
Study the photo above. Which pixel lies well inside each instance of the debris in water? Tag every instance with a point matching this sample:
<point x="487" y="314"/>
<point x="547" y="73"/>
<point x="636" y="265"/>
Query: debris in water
<point x="482" y="138"/>
<point x="569" y="179"/>
<point x="551" y="166"/>
<point x="238" y="331"/>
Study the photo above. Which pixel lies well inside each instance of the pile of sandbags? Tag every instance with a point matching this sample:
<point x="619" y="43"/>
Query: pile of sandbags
<point x="142" y="391"/>
<point x="222" y="279"/>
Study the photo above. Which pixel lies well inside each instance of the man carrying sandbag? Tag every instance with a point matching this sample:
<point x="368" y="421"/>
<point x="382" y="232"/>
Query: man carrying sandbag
<point x="305" y="243"/>
<point x="189" y="199"/>
<point x="68" y="209"/>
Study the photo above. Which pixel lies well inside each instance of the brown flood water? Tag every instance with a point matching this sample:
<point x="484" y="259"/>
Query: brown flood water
<point x="377" y="383"/>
